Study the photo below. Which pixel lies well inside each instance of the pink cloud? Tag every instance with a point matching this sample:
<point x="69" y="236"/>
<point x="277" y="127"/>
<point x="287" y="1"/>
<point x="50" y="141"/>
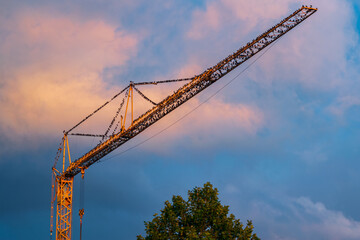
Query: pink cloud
<point x="53" y="70"/>
<point x="60" y="39"/>
<point x="189" y="70"/>
<point x="211" y="123"/>
<point x="205" y="22"/>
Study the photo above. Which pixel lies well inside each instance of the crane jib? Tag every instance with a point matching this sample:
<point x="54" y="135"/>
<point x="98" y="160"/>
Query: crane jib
<point x="197" y="84"/>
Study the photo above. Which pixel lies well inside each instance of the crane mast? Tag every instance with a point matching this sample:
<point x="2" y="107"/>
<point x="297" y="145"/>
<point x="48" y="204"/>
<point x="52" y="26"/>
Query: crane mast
<point x="62" y="184"/>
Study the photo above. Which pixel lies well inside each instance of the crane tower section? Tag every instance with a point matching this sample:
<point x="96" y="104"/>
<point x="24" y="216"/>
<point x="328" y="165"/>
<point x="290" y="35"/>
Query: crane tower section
<point x="63" y="180"/>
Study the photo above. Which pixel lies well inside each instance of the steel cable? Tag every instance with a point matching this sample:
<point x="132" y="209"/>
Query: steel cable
<point x="106" y="103"/>
<point x="145" y="97"/>
<point x="116" y="115"/>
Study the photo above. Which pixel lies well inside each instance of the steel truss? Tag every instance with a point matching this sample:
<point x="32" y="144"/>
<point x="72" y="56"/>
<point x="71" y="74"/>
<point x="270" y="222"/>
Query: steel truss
<point x="64" y="192"/>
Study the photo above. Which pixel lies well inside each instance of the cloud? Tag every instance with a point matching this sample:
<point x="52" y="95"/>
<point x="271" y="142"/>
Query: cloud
<point x="343" y="104"/>
<point x="307" y="80"/>
<point x="61" y="58"/>
<point x="315" y="154"/>
<point x="315" y="54"/>
<point x="301" y="218"/>
<point x="189" y="70"/>
<point x="332" y="224"/>
<point x="52" y="76"/>
<point x="204" y="22"/>
<point x="210" y="126"/>
<point x="305" y="63"/>
<point x="220" y="14"/>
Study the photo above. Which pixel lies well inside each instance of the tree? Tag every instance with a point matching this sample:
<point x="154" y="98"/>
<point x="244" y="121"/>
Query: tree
<point x="200" y="217"/>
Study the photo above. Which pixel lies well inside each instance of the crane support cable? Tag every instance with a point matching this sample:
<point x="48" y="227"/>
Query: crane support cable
<point x="53" y="196"/>
<point x="116" y="126"/>
<point x="58" y="153"/>
<point x="139" y="83"/>
<point x="106" y="103"/>
<point x="116" y="115"/>
<point x="189" y="90"/>
<point x="86" y="135"/>
<point x="145" y="97"/>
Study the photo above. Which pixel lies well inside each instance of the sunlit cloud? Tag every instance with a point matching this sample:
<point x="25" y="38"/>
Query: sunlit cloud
<point x="53" y="73"/>
<point x="205" y="125"/>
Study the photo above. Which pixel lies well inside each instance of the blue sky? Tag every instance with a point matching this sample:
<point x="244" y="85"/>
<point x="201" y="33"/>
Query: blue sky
<point x="280" y="142"/>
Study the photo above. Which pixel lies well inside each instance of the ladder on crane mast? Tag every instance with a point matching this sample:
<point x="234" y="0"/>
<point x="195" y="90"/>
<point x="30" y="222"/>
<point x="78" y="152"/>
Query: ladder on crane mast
<point x="62" y="178"/>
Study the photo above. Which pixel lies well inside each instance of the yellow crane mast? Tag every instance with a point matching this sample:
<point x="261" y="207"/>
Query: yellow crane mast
<point x="62" y="180"/>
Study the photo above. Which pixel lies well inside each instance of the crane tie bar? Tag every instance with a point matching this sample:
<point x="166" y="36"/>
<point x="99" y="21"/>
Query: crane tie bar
<point x="145" y="97"/>
<point x="164" y="81"/>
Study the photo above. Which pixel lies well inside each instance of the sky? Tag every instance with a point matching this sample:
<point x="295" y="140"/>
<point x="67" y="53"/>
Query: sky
<point x="280" y="142"/>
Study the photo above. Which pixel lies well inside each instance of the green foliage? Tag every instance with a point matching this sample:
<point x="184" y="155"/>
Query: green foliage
<point x="201" y="217"/>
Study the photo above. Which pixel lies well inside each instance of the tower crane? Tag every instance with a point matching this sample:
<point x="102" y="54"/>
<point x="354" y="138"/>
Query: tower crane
<point x="63" y="177"/>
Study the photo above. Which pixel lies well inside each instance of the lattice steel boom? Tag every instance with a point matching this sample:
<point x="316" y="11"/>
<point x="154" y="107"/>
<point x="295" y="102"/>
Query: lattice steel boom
<point x="64" y="179"/>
